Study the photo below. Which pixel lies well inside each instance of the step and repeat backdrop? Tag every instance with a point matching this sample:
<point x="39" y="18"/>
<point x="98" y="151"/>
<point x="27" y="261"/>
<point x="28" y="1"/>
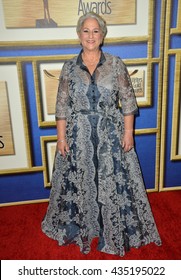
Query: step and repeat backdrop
<point x="37" y="37"/>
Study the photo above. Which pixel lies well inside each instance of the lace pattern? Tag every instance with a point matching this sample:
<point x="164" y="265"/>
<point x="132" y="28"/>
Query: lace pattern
<point x="97" y="189"/>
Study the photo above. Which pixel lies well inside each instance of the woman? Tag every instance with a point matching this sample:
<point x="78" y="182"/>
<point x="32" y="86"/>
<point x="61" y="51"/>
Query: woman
<point x="97" y="187"/>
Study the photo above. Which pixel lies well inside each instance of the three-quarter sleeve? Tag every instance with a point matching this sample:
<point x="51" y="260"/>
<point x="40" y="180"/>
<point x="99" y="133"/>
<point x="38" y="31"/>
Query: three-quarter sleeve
<point x="126" y="92"/>
<point x="61" y="108"/>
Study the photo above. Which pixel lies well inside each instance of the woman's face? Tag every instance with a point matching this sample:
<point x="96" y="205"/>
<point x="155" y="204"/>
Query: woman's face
<point x="90" y="35"/>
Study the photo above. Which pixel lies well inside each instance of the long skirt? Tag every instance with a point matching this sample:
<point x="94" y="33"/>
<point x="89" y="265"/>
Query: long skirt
<point x="98" y="191"/>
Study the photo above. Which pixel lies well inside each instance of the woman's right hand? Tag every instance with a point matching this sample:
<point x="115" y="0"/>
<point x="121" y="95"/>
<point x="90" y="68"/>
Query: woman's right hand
<point x="62" y="147"/>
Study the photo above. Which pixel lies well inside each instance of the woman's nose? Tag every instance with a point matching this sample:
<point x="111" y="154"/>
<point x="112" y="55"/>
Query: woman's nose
<point x="91" y="34"/>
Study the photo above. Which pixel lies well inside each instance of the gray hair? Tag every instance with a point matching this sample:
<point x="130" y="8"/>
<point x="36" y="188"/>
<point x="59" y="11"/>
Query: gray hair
<point x="100" y="20"/>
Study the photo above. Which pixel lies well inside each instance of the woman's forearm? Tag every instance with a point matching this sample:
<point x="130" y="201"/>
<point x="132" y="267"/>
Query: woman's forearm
<point x="128" y="141"/>
<point x="128" y="122"/>
<point x="62" y="145"/>
<point x="61" y="129"/>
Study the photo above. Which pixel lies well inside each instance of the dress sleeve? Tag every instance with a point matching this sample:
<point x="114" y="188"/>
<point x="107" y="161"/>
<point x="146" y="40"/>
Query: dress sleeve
<point x="61" y="107"/>
<point x="126" y="92"/>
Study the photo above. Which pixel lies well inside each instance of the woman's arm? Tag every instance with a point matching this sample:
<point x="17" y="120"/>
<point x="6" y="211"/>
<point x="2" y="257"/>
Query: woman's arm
<point x="61" y="111"/>
<point x="128" y="140"/>
<point x="62" y="145"/>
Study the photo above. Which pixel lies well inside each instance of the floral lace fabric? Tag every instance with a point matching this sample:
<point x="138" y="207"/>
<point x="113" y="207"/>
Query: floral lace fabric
<point x="97" y="189"/>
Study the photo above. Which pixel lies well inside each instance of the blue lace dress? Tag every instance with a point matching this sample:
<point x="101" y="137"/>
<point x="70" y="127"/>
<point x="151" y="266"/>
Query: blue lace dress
<point x="97" y="189"/>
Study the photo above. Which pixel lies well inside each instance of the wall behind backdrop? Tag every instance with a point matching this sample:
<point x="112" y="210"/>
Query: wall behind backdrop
<point x="35" y="43"/>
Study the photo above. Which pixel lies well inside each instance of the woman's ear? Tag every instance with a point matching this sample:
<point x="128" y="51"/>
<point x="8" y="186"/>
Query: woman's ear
<point x="78" y="34"/>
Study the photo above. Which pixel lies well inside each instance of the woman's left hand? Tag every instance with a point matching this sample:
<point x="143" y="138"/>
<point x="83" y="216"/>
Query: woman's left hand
<point x="128" y="141"/>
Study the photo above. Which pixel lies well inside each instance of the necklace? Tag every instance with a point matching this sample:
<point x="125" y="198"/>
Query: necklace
<point x="92" y="61"/>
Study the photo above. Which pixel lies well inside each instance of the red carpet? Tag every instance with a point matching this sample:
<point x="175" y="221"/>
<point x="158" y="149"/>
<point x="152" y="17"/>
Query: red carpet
<point x="22" y="239"/>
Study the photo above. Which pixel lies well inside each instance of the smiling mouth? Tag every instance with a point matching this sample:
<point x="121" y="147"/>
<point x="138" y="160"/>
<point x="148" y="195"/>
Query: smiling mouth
<point x="90" y="41"/>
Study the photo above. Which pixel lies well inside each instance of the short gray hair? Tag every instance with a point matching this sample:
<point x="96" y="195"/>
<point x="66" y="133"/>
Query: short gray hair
<point x="100" y="20"/>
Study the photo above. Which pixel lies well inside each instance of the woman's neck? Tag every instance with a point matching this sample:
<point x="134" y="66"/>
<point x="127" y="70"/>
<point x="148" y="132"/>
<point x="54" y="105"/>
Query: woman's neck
<point x="92" y="57"/>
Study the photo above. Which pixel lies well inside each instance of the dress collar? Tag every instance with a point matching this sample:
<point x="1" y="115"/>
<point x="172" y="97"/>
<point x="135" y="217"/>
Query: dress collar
<point x="80" y="61"/>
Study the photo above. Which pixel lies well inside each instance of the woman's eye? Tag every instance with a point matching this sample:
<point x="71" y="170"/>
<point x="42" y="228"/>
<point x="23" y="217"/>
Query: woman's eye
<point x="87" y="31"/>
